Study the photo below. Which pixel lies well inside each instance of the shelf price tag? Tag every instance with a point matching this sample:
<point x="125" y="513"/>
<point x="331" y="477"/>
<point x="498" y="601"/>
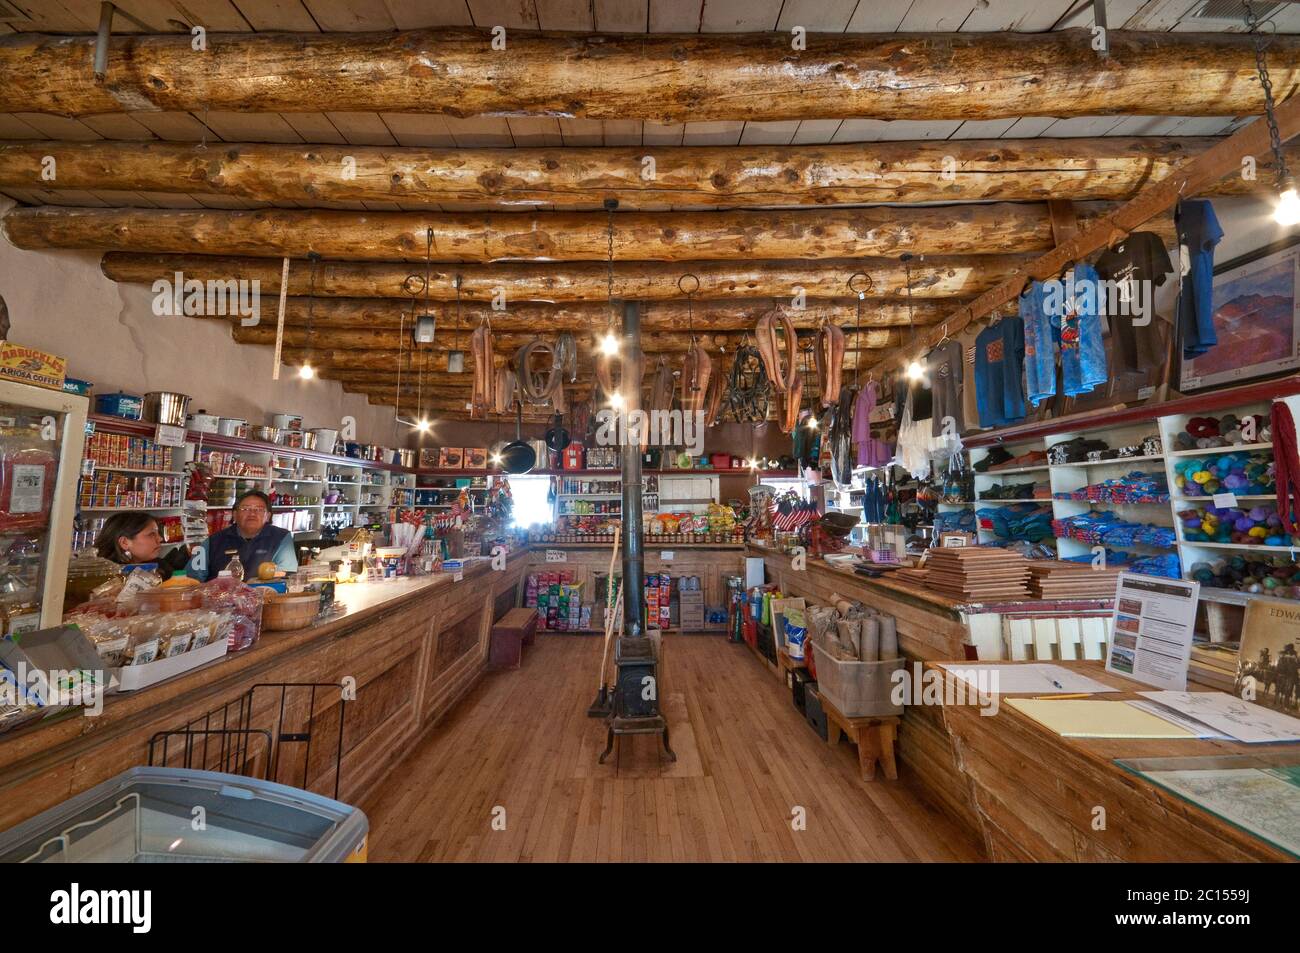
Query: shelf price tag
<point x="1225" y="500"/>
<point x="168" y="435"/>
<point x="556" y="556"/>
<point x="666" y="555"/>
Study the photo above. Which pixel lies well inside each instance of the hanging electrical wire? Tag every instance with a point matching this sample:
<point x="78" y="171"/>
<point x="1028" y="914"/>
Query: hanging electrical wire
<point x="1288" y="203"/>
<point x="609" y="343"/>
<point x="307" y="372"/>
<point x="915" y="369"/>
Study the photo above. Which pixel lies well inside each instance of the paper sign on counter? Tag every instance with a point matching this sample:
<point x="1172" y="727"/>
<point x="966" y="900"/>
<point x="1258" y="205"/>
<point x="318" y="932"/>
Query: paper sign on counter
<point x="1235" y="717"/>
<point x="1151" y="639"/>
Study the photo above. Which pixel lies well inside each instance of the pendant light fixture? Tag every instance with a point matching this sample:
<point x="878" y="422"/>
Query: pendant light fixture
<point x="1287" y="212"/>
<point x="609" y="343"/>
<point x="456" y="357"/>
<point x="915" y="369"/>
<point x="307" y="372"/>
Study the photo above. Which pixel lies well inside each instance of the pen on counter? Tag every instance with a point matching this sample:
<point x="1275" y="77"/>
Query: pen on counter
<point x="1055" y="697"/>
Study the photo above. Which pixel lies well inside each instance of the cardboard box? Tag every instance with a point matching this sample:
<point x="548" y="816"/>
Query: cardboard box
<point x="27" y="365"/>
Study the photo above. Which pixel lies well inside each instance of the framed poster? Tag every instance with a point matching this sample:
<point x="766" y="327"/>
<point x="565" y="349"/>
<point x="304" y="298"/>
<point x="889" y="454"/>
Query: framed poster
<point x="1268" y="664"/>
<point x="1256" y="318"/>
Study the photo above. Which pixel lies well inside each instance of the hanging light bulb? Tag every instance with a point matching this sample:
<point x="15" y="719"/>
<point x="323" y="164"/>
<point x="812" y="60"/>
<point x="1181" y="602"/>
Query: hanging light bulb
<point x="609" y="344"/>
<point x="1288" y="204"/>
<point x="306" y="372"/>
<point x="812" y="423"/>
<point x="1287" y="212"/>
<point x="616" y="400"/>
<point x="422" y="425"/>
<point x="915" y="371"/>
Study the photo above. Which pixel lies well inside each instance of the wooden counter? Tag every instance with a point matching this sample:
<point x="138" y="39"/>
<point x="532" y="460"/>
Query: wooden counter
<point x="1035" y="793"/>
<point x="410" y="647"/>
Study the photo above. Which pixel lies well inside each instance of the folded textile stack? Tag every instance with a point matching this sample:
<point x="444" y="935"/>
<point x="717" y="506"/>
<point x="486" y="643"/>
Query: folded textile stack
<point x="1019" y="521"/>
<point x="955" y="521"/>
<point x="1106" y="528"/>
<point x="1070" y="580"/>
<point x="977" y="574"/>
<point x="1135" y="487"/>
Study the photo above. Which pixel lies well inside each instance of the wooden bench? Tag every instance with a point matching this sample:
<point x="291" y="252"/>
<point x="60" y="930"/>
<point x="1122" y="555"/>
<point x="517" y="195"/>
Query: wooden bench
<point x="510" y="634"/>
<point x="874" y="736"/>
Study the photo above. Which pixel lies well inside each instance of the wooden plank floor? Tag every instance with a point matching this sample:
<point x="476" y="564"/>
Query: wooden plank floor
<point x="521" y="741"/>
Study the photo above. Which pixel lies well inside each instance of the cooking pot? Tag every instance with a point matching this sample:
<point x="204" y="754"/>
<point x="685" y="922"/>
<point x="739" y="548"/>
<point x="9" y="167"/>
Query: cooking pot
<point x="232" y="427"/>
<point x="266" y="434"/>
<point x="308" y="439"/>
<point x="325" y="438"/>
<point x="287" y="421"/>
<point x="203" y="422"/>
<point x="166" y="407"/>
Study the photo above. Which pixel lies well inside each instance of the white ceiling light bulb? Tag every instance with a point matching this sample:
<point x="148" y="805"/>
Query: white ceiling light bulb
<point x="609" y="344"/>
<point x="306" y="372"/>
<point x="616" y="400"/>
<point x="915" y="371"/>
<point x="1288" y="204"/>
<point x="423" y="425"/>
<point x="812" y="423"/>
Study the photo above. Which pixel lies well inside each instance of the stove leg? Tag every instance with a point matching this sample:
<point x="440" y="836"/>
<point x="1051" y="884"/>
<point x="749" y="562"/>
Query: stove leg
<point x="609" y="746"/>
<point x="672" y="755"/>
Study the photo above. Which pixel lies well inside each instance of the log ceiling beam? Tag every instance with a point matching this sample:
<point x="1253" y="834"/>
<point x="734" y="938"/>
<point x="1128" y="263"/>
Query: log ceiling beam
<point x="561" y="236"/>
<point x="936" y="276"/>
<point x="662" y="78"/>
<point x="392" y="315"/>
<point x="587" y="341"/>
<point x="685" y="177"/>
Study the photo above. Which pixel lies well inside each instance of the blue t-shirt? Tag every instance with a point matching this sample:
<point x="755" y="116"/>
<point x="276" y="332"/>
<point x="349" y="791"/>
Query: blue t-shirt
<point x="1083" y="352"/>
<point x="1198" y="233"/>
<point x="999" y="360"/>
<point x="1042" y="331"/>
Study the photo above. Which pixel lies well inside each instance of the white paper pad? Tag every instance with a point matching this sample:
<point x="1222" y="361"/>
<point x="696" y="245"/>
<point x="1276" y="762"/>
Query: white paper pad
<point x="1024" y="679"/>
<point x="1242" y="720"/>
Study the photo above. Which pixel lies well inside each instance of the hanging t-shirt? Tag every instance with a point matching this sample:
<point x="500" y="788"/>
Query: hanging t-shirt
<point x="946" y="385"/>
<point x="1042" y="329"/>
<point x="1138" y="265"/>
<point x="872" y="451"/>
<point x="1083" y="352"/>
<point x="1198" y="233"/>
<point x="999" y="367"/>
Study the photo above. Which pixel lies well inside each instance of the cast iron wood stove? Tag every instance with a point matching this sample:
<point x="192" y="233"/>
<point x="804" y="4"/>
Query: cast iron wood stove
<point x="636" y="695"/>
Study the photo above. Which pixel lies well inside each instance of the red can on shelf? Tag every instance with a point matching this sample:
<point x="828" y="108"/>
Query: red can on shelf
<point x="573" y="456"/>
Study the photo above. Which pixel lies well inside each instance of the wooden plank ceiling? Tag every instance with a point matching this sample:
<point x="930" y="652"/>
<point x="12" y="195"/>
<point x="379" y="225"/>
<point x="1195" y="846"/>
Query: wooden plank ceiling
<point x="361" y="303"/>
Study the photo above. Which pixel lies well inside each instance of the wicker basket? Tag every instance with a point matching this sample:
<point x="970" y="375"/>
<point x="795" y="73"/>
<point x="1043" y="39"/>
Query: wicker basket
<point x="280" y="613"/>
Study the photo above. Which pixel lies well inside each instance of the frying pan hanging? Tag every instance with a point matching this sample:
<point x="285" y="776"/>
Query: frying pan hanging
<point x="517" y="457"/>
<point x="557" y="438"/>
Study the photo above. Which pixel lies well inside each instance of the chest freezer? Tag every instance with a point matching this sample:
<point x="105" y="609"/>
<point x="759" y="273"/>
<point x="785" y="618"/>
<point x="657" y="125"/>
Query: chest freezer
<point x="179" y="815"/>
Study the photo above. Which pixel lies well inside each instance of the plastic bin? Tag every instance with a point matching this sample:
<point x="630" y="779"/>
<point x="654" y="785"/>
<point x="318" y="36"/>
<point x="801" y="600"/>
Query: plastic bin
<point x="145" y="815"/>
<point x="857" y="689"/>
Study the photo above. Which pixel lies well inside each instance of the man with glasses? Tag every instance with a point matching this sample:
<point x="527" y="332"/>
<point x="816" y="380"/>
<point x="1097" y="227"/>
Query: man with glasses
<point x="252" y="537"/>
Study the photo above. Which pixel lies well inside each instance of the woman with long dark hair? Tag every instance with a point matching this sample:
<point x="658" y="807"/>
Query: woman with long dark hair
<point x="133" y="537"/>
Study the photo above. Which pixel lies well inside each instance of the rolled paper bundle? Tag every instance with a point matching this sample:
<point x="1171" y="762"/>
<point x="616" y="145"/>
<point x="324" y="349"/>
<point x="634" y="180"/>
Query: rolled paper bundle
<point x="888" y="639"/>
<point x="849" y="634"/>
<point x="844" y="606"/>
<point x="870" y="642"/>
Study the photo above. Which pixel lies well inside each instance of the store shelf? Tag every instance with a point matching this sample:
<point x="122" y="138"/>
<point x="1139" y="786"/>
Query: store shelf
<point x="1102" y="463"/>
<point x="1242" y="547"/>
<point x="142" y="470"/>
<point x="129" y="509"/>
<point x="998" y="473"/>
<point x="300" y="506"/>
<point x="589" y="496"/>
<point x="1028" y="500"/>
<point x="1202" y="500"/>
<point x="1239" y="448"/>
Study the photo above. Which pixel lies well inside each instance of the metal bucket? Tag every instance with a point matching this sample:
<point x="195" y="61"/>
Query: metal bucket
<point x="166" y="407"/>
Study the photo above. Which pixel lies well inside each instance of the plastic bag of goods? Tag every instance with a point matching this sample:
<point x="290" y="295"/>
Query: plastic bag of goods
<point x="796" y="631"/>
<point x="27" y="473"/>
<point x="242" y="605"/>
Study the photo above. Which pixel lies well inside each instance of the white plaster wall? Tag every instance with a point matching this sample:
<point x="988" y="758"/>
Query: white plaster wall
<point x="61" y="302"/>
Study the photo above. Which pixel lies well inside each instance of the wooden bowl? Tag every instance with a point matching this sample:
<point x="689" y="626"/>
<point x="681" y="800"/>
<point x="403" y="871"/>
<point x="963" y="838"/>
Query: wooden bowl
<point x="281" y="613"/>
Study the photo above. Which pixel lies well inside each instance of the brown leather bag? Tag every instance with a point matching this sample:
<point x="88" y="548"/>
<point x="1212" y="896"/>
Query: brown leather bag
<point x="697" y="375"/>
<point x="829" y="351"/>
<point x="482" y="400"/>
<point x="769" y="349"/>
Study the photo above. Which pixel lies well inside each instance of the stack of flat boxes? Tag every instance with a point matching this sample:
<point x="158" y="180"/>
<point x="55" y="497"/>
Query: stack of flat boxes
<point x="690" y="604"/>
<point x="558" y="600"/>
<point x="658" y="595"/>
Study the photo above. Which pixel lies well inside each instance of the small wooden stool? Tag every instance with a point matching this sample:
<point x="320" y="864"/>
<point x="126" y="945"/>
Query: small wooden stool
<point x="874" y="736"/>
<point x="510" y="634"/>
